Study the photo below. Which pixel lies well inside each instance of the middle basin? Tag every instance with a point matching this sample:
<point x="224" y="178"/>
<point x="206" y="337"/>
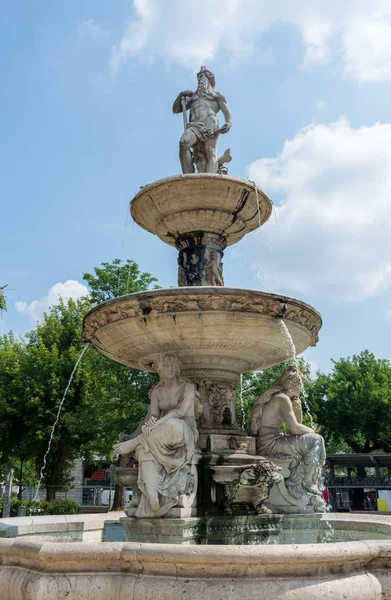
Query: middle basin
<point x="217" y="332"/>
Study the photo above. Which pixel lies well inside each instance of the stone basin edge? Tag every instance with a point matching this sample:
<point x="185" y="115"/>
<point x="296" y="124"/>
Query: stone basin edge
<point x="201" y="291"/>
<point x="188" y="561"/>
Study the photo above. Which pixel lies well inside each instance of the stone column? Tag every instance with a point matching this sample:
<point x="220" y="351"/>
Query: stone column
<point x="200" y="259"/>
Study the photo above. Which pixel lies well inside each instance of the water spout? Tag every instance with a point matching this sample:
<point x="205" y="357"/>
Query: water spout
<point x="42" y="471"/>
<point x="291" y="353"/>
<point x="244" y="418"/>
<point x="284" y="308"/>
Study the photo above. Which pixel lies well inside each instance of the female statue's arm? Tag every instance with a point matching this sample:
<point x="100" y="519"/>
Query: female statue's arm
<point x="128" y="445"/>
<point x="255" y="422"/>
<point x="288" y="416"/>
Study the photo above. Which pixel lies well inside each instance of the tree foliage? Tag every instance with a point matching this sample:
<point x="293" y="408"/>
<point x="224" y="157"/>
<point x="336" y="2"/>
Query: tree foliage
<point x="3" y="303"/>
<point x="255" y="383"/>
<point x="353" y="404"/>
<point x="104" y="399"/>
<point x="114" y="279"/>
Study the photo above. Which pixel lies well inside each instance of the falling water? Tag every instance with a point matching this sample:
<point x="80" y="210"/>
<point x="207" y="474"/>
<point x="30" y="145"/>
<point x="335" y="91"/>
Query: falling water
<point x="244" y="419"/>
<point x="291" y="353"/>
<point x="42" y="471"/>
<point x="258" y="207"/>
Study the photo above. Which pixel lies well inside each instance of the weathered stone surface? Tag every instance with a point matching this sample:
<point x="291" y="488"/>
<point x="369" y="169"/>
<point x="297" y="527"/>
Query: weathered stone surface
<point x="305" y="448"/>
<point x="123" y="571"/>
<point x="225" y="206"/>
<point x="165" y="443"/>
<point x="198" y="143"/>
<point x="61" y="526"/>
<point x="216" y="332"/>
<point x="243" y="489"/>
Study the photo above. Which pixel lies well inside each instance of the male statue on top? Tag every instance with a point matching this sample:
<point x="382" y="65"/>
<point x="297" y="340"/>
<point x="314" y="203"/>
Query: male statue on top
<point x="202" y="132"/>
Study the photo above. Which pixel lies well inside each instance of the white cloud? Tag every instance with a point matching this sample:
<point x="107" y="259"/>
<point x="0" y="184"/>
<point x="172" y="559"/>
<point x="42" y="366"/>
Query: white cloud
<point x="367" y="47"/>
<point x="321" y="104"/>
<point x="333" y="186"/>
<point x="91" y="30"/>
<point x="357" y="32"/>
<point x="69" y="289"/>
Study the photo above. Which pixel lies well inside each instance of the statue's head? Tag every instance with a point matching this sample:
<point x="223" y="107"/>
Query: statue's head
<point x="206" y="79"/>
<point x="292" y="381"/>
<point x="167" y="365"/>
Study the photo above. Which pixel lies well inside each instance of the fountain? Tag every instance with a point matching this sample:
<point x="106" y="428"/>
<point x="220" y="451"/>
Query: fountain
<point x="217" y="511"/>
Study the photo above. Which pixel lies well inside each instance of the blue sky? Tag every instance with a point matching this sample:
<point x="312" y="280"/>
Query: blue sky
<point x="86" y="96"/>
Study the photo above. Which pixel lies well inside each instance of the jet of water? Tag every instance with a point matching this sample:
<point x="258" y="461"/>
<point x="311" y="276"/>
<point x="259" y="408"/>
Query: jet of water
<point x="244" y="419"/>
<point x="291" y="353"/>
<point x="42" y="471"/>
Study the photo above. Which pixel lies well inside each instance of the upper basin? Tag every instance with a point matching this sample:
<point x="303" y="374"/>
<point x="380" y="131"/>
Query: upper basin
<point x="223" y="205"/>
<point x="216" y="332"/>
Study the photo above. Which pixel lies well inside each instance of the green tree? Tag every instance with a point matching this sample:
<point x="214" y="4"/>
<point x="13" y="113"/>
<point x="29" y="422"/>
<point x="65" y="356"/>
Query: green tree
<point x="123" y="391"/>
<point x="3" y="303"/>
<point x="117" y="278"/>
<point x="104" y="399"/>
<point x="353" y="404"/>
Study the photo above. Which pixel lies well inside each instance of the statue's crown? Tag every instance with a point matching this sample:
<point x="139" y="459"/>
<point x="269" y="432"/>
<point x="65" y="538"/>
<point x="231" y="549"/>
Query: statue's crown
<point x="209" y="75"/>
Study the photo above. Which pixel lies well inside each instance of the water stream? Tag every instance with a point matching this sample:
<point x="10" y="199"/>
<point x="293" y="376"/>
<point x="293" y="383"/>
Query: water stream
<point x="291" y="353"/>
<point x="242" y="408"/>
<point x="42" y="471"/>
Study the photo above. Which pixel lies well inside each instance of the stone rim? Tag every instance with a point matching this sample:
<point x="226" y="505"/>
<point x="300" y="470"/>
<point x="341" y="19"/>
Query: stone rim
<point x="206" y="302"/>
<point x="162" y="218"/>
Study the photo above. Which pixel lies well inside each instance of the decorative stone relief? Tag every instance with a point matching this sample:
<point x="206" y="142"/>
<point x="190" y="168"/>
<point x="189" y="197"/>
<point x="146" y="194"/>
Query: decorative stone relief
<point x="200" y="260"/>
<point x="226" y="301"/>
<point x="245" y="484"/>
<point x="231" y="444"/>
<point x="165" y="443"/>
<point x="221" y="399"/>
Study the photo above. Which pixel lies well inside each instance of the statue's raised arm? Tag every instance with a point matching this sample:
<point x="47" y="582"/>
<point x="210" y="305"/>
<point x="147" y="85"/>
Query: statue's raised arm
<point x="198" y="143"/>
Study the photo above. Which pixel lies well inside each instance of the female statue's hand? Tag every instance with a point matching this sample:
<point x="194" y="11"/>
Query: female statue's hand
<point x="120" y="448"/>
<point x="149" y="425"/>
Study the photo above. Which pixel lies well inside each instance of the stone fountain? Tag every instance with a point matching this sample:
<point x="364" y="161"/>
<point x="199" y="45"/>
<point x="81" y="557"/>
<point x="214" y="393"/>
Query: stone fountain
<point x="210" y="500"/>
<point x="212" y="334"/>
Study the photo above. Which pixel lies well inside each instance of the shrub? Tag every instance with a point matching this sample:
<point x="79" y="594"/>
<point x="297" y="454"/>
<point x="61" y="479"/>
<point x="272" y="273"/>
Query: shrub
<point x="42" y="507"/>
<point x="62" y="507"/>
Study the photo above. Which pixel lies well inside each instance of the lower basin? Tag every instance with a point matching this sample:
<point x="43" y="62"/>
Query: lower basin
<point x="32" y="568"/>
<point x="216" y="332"/>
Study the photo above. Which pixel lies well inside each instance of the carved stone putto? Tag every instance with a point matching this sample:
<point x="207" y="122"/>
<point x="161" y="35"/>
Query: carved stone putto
<point x="200" y="259"/>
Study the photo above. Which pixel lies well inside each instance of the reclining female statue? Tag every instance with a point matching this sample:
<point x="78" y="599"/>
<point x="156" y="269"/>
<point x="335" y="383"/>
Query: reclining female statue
<point x="280" y="404"/>
<point x="165" y="442"/>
